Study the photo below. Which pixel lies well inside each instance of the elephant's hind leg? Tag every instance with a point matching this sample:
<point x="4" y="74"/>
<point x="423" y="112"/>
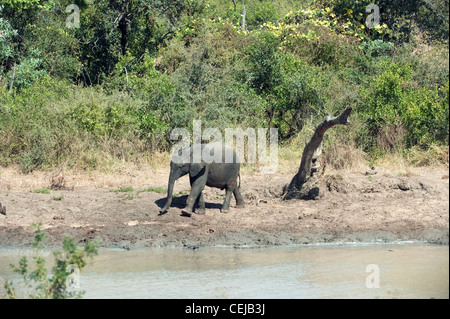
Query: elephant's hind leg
<point x="226" y="203"/>
<point x="239" y="200"/>
<point x="201" y="205"/>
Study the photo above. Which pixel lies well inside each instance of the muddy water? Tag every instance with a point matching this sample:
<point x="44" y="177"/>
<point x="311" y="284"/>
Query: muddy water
<point x="345" y="271"/>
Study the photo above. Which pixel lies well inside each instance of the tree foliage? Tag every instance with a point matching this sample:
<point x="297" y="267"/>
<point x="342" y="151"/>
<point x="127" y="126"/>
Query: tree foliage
<point x="169" y="62"/>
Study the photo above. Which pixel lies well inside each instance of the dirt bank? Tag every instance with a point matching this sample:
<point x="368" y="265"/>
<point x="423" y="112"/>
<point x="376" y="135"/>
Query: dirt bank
<point x="353" y="207"/>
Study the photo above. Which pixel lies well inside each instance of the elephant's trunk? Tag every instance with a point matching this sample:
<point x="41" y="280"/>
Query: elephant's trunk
<point x="172" y="179"/>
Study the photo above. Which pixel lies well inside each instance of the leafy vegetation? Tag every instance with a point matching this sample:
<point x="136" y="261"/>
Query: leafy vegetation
<point x="159" y="190"/>
<point x="123" y="189"/>
<point x="41" y="191"/>
<point x="113" y="89"/>
<point x="38" y="282"/>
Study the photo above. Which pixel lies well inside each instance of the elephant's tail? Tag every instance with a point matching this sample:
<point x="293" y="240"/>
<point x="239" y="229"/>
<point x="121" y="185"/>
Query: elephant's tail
<point x="239" y="180"/>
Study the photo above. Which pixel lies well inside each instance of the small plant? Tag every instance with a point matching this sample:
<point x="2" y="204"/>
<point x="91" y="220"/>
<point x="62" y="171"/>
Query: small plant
<point x="41" y="191"/>
<point x="124" y="189"/>
<point x="127" y="197"/>
<point x="58" y="198"/>
<point x="159" y="190"/>
<point x="39" y="283"/>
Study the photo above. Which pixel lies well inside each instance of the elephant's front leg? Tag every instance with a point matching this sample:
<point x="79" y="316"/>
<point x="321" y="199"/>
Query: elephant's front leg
<point x="201" y="205"/>
<point x="197" y="187"/>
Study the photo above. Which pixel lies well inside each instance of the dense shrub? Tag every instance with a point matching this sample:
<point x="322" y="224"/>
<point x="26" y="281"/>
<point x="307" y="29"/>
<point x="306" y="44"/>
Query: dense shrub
<point x="53" y="122"/>
<point x="116" y="87"/>
<point x="391" y="102"/>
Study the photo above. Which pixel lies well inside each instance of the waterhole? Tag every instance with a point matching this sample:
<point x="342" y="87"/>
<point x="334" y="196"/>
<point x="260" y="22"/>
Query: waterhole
<point x="335" y="271"/>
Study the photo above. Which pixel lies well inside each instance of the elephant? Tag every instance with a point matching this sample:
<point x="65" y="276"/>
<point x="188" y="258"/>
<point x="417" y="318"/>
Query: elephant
<point x="220" y="172"/>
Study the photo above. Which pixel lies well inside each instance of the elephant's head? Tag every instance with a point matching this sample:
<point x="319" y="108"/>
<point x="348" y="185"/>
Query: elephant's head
<point x="180" y="166"/>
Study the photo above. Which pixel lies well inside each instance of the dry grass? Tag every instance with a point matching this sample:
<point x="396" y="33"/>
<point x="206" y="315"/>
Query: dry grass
<point x="12" y="179"/>
<point x="434" y="156"/>
<point x="340" y="159"/>
<point x="151" y="171"/>
<point x="415" y="162"/>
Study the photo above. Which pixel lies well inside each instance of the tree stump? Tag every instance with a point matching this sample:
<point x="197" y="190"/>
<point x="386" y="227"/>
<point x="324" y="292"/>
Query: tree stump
<point x="304" y="185"/>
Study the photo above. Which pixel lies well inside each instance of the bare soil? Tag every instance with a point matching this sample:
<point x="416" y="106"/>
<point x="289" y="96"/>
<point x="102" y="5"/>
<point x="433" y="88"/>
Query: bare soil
<point x="352" y="207"/>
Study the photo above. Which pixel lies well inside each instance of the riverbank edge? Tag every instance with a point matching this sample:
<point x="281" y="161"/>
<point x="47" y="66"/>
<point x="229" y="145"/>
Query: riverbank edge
<point x="21" y="237"/>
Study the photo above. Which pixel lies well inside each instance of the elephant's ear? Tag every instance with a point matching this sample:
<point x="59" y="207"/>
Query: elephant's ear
<point x="196" y="168"/>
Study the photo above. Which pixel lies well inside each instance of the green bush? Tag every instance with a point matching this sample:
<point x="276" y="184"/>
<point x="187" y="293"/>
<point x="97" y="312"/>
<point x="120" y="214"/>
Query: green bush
<point x="391" y="102"/>
<point x="377" y="48"/>
<point x="426" y="117"/>
<point x="37" y="150"/>
<point x="429" y="63"/>
<point x="286" y="83"/>
<point x="141" y="80"/>
<point x="260" y="12"/>
<point x="29" y="71"/>
<point x="51" y="123"/>
<point x="42" y="284"/>
<point x="264" y="62"/>
<point x="8" y="34"/>
<point x="115" y="88"/>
